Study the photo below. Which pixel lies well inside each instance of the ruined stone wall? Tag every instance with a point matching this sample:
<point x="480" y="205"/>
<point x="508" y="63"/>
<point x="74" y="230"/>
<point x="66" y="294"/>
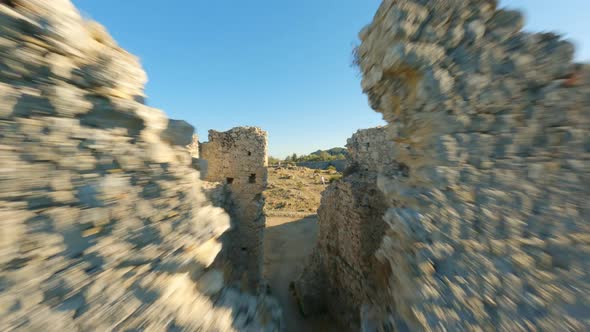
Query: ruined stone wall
<point x="103" y="223"/>
<point x="340" y="275"/>
<point x="238" y="158"/>
<point x="487" y="224"/>
<point x="370" y="150"/>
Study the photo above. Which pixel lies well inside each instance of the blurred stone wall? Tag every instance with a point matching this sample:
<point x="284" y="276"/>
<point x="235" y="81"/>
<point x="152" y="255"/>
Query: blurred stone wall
<point x="238" y="159"/>
<point x="486" y="226"/>
<point x="103" y="222"/>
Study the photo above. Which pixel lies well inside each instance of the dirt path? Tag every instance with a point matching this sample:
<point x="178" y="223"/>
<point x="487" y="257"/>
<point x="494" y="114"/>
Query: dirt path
<point x="287" y="242"/>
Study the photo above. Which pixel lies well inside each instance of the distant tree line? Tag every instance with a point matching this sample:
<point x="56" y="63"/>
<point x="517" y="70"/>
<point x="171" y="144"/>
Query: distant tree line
<point x="320" y="155"/>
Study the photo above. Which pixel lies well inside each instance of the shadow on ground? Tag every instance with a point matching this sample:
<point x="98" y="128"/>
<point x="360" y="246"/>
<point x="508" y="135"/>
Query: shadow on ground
<point x="288" y="242"/>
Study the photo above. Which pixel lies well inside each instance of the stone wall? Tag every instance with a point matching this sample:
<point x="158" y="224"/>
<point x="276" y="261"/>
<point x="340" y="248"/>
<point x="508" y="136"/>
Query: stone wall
<point x="487" y="221"/>
<point x="371" y="150"/>
<point x="238" y="158"/>
<point x="340" y="276"/>
<point x="104" y="226"/>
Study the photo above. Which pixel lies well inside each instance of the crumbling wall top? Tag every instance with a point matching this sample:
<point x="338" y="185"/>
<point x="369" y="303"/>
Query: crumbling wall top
<point x="371" y="149"/>
<point x="239" y="154"/>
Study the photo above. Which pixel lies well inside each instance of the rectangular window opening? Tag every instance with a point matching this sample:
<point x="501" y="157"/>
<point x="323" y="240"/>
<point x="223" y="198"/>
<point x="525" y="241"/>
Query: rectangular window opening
<point x="229" y="180"/>
<point x="252" y="178"/>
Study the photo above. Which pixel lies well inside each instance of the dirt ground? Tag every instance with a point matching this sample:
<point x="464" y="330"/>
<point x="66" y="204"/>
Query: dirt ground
<point x="295" y="190"/>
<point x="287" y="243"/>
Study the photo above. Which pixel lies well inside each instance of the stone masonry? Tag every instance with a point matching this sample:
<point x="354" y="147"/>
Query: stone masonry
<point x="370" y="150"/>
<point x="103" y="223"/>
<point x="486" y="218"/>
<point x="340" y="276"/>
<point x="238" y="158"/>
<point x="467" y="212"/>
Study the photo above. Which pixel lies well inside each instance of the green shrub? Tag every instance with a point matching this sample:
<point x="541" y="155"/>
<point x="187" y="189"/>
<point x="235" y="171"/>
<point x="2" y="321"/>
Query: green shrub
<point x="335" y="177"/>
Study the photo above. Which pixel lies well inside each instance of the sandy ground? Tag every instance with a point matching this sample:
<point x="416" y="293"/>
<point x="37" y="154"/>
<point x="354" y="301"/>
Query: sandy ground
<point x="287" y="242"/>
<point x="295" y="190"/>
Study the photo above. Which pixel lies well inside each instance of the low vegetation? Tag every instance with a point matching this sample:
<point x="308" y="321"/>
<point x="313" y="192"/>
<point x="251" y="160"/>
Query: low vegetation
<point x="296" y="190"/>
<point x="319" y="155"/>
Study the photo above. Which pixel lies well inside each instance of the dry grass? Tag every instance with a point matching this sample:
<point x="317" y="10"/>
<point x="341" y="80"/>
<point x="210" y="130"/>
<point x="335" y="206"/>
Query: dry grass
<point x="295" y="190"/>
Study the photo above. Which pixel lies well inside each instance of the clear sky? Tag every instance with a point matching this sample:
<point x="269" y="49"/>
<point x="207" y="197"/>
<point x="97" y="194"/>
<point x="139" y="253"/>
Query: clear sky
<point x="276" y="64"/>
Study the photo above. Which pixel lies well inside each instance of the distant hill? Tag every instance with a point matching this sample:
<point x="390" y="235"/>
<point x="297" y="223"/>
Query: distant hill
<point x="332" y="152"/>
<point x="319" y="155"/>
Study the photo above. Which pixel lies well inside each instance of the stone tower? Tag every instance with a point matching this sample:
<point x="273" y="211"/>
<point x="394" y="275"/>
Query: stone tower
<point x="238" y="158"/>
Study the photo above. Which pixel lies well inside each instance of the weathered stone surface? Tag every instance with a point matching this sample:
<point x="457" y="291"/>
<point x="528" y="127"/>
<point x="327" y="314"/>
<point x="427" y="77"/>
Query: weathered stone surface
<point x="341" y="273"/>
<point x="486" y="216"/>
<point x="104" y="223"/>
<point x="238" y="159"/>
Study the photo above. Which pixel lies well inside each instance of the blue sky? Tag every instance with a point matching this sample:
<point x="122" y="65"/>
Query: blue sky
<point x="280" y="65"/>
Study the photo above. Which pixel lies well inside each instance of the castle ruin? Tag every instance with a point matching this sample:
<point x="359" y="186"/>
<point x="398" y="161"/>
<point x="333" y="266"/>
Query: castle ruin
<point x="238" y="159"/>
<point x="467" y="212"/>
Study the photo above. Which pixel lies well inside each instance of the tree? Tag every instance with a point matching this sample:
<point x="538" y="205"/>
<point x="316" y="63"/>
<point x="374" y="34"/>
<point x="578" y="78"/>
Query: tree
<point x="288" y="159"/>
<point x="294" y="158"/>
<point x="313" y="157"/>
<point x="324" y="156"/>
